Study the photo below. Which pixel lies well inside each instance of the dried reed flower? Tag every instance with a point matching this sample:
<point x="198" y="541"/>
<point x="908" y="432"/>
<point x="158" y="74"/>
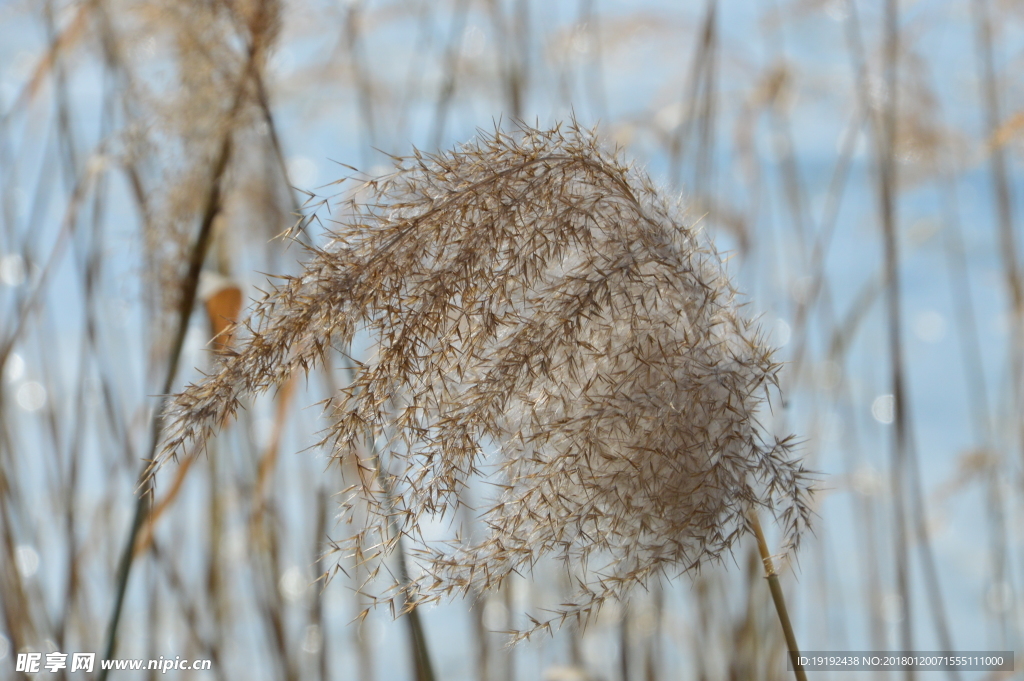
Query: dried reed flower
<point x="535" y="304"/>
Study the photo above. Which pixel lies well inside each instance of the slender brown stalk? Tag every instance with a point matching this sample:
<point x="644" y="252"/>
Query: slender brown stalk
<point x="452" y="60"/>
<point x="422" y="665"/>
<point x="700" y="92"/>
<point x="190" y="285"/>
<point x="886" y="142"/>
<point x="777" y="597"/>
<point x="1003" y="199"/>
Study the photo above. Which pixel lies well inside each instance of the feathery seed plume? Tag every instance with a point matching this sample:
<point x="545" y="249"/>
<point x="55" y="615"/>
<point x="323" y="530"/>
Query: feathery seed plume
<point x="536" y="307"/>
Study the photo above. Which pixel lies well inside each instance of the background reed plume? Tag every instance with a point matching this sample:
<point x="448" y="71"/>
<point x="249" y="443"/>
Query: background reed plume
<point x="535" y="304"/>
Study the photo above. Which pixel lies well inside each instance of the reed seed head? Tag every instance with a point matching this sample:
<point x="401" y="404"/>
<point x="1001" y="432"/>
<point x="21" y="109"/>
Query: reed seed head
<point x="541" y="312"/>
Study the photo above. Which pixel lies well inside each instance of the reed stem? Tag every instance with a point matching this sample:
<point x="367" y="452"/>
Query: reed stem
<point x="780" y="601"/>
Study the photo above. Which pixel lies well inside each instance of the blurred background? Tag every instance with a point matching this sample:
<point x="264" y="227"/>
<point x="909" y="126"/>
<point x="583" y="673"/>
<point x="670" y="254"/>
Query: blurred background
<point x="858" y="162"/>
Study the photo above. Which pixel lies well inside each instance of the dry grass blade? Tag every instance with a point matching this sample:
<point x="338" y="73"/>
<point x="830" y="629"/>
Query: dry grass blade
<point x="536" y="303"/>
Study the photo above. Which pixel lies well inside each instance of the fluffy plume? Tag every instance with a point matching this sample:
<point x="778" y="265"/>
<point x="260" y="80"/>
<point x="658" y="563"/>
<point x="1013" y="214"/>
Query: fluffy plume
<point x="536" y="309"/>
